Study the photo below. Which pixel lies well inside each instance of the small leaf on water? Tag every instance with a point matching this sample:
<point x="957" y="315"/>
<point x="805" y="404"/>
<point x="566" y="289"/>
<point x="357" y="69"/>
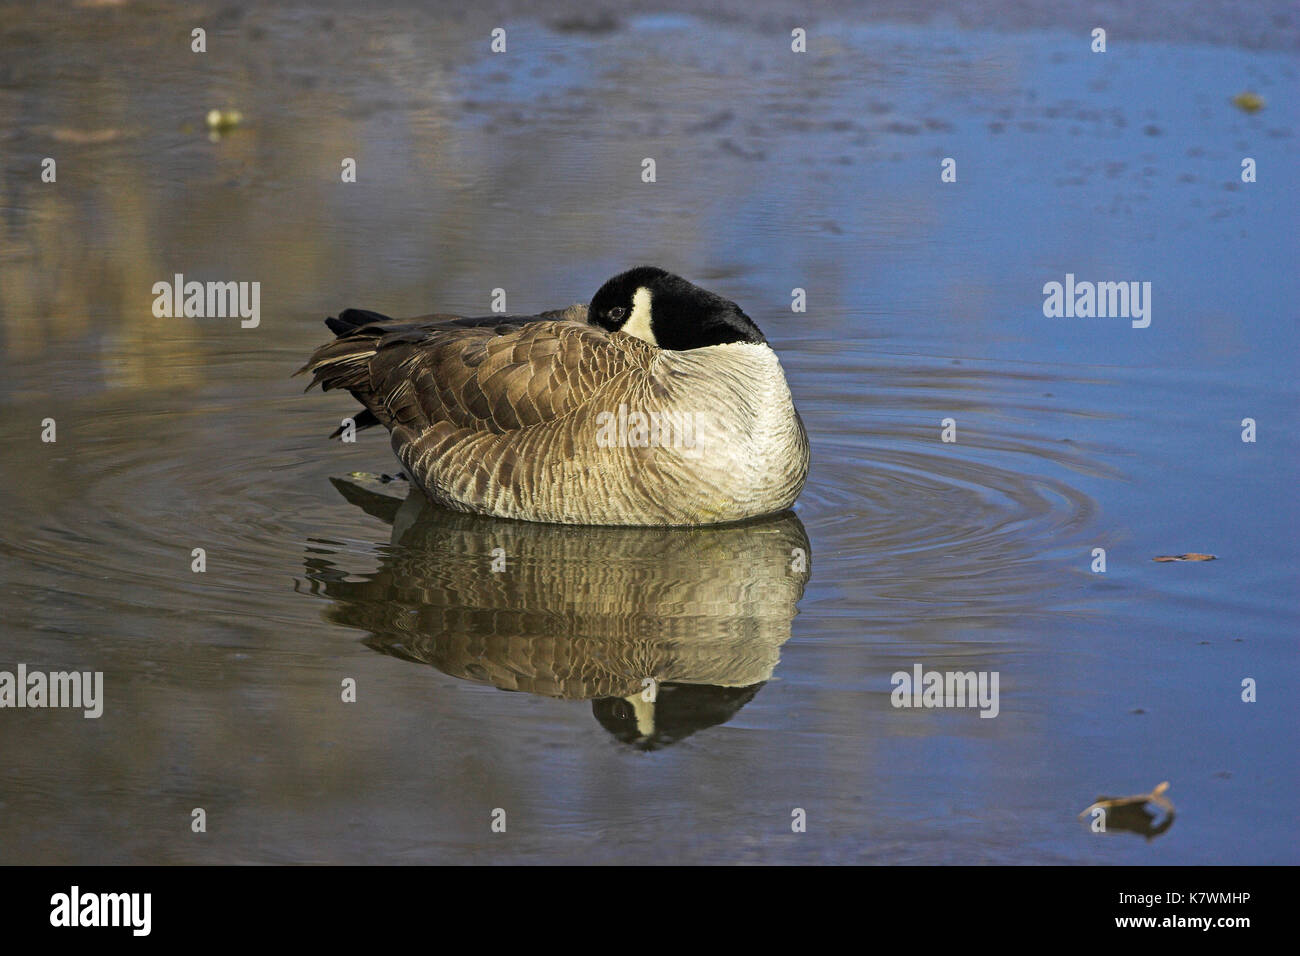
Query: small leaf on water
<point x="1156" y="796"/>
<point x="222" y="120"/>
<point x="1248" y="101"/>
<point x="85" y="137"/>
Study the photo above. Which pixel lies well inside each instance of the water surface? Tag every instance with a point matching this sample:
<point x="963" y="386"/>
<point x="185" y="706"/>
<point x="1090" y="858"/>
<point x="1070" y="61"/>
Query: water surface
<point x="519" y="690"/>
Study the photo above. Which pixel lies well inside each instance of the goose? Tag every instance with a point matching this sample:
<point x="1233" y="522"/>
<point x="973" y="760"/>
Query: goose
<point x="659" y="404"/>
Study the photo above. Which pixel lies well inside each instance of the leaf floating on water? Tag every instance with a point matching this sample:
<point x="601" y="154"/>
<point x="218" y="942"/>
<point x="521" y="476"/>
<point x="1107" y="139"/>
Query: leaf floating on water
<point x="1248" y="101"/>
<point x="1191" y="556"/>
<point x="1156" y="796"/>
<point x="85" y="137"/>
<point x="222" y="121"/>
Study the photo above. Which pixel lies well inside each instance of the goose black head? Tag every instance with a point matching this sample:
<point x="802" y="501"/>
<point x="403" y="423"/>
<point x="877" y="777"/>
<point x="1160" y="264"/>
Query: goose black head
<point x="666" y="310"/>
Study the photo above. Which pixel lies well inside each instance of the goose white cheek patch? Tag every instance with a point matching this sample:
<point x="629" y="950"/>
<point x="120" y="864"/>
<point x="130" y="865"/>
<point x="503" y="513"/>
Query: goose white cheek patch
<point x="639" y="322"/>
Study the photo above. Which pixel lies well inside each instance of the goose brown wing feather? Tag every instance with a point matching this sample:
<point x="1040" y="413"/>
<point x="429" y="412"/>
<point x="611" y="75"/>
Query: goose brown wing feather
<point x="478" y="377"/>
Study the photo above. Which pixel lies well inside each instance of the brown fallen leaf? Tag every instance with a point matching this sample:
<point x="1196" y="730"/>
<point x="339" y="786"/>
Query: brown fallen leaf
<point x="1191" y="556"/>
<point x="1248" y="101"/>
<point x="1156" y="796"/>
<point x="224" y="120"/>
<point x="85" y="137"/>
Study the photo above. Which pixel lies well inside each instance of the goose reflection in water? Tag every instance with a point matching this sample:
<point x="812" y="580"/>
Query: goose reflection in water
<point x="666" y="631"/>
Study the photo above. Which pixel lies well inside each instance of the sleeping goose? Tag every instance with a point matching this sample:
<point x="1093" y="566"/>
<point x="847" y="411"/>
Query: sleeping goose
<point x="658" y="404"/>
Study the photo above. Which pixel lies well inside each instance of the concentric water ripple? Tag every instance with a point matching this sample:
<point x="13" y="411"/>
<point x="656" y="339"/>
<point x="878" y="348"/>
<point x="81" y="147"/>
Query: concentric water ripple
<point x="897" y="508"/>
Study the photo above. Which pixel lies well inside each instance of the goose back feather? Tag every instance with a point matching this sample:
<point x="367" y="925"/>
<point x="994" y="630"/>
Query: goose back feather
<point x="520" y="418"/>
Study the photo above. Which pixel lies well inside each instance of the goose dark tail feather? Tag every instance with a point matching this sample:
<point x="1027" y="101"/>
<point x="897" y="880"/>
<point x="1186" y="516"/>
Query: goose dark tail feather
<point x="344" y="362"/>
<point x="349" y="320"/>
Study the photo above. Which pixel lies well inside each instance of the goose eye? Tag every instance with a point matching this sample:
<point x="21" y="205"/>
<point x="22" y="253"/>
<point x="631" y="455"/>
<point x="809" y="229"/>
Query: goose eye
<point x="617" y="313"/>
